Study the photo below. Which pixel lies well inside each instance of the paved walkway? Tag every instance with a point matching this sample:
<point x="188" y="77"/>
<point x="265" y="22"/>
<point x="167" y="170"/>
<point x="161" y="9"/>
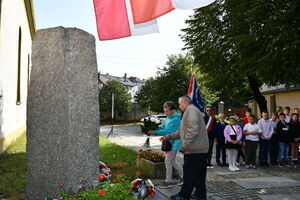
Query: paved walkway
<point x="267" y="184"/>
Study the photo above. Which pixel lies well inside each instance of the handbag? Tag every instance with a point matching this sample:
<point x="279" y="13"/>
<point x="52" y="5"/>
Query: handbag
<point x="166" y="145"/>
<point x="239" y="142"/>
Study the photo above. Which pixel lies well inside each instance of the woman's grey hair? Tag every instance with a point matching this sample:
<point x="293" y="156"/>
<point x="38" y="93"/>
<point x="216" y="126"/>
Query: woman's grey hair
<point x="186" y="99"/>
<point x="170" y="104"/>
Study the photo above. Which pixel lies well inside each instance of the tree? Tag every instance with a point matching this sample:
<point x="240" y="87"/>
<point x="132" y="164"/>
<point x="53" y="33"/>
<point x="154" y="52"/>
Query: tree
<point x="241" y="45"/>
<point x="171" y="82"/>
<point x="121" y="98"/>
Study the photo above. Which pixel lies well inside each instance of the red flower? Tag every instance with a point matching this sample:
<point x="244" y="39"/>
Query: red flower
<point x="118" y="164"/>
<point x="101" y="177"/>
<point x="121" y="174"/>
<point x="114" y="180"/>
<point x="101" y="192"/>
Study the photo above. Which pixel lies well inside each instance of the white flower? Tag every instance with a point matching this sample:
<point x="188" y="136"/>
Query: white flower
<point x="153" y="119"/>
<point x="157" y="121"/>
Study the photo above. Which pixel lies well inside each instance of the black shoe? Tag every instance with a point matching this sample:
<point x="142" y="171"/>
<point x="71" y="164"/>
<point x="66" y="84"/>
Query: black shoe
<point x="193" y="196"/>
<point x="219" y="164"/>
<point x="177" y="197"/>
<point x="210" y="166"/>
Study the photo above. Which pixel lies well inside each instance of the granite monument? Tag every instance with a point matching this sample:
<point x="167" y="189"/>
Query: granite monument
<point x="62" y="113"/>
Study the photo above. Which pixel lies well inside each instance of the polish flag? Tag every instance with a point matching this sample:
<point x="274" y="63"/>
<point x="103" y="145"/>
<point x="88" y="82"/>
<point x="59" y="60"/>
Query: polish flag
<point x="114" y="20"/>
<point x="146" y="10"/>
<point x="193" y="93"/>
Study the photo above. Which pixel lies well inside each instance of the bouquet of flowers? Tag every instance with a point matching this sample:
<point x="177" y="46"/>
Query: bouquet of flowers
<point x="149" y="123"/>
<point x="143" y="188"/>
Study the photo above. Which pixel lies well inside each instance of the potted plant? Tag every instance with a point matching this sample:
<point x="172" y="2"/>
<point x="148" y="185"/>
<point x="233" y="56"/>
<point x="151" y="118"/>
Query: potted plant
<point x="151" y="163"/>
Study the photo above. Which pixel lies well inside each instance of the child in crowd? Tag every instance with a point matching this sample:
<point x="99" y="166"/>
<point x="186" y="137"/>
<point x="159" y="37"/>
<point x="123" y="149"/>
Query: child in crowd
<point x="233" y="134"/>
<point x="247" y="114"/>
<point x="295" y="133"/>
<point x="220" y="140"/>
<point x="252" y="133"/>
<point x="241" y="144"/>
<point x="267" y="130"/>
<point x="286" y="111"/>
<point x="274" y="149"/>
<point x="284" y="138"/>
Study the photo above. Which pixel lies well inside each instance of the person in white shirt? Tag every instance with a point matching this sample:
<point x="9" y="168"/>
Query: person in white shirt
<point x="252" y="133"/>
<point x="287" y="111"/>
<point x="267" y="130"/>
<point x="274" y="149"/>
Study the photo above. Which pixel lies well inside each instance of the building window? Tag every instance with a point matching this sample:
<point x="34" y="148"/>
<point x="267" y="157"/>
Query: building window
<point x="28" y="70"/>
<point x="19" y="69"/>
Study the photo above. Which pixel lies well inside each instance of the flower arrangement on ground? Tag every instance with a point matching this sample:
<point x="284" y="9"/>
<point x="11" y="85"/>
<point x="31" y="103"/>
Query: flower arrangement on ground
<point x="151" y="155"/>
<point x="111" y="187"/>
<point x="149" y="123"/>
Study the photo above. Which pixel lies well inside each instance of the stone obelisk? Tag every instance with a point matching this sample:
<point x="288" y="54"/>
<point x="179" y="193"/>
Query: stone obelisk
<point x="62" y="113"/>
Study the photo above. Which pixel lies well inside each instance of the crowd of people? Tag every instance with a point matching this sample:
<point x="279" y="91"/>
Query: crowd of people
<point x="277" y="139"/>
<point x="236" y="141"/>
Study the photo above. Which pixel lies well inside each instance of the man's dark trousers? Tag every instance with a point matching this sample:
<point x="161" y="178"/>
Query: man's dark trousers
<point x="221" y="149"/>
<point x="194" y="175"/>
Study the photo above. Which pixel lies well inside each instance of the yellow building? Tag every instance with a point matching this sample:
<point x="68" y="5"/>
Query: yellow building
<point x="279" y="96"/>
<point x="17" y="29"/>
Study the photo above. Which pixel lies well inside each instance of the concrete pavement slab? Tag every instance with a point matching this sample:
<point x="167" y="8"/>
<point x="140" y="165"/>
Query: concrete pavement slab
<point x="266" y="182"/>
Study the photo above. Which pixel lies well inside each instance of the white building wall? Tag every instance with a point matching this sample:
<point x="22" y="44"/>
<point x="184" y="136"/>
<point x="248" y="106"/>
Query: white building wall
<point x="13" y="16"/>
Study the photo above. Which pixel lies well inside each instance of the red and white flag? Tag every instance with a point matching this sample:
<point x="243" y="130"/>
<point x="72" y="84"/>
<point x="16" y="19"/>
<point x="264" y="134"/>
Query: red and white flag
<point x="114" y="20"/>
<point x="124" y="18"/>
<point x="146" y="10"/>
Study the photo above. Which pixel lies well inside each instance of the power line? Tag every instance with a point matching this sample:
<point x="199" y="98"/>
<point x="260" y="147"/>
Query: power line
<point x="133" y="58"/>
<point x="122" y="63"/>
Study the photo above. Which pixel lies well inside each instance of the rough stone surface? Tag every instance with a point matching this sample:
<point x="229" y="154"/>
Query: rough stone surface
<point x="266" y="182"/>
<point x="62" y="113"/>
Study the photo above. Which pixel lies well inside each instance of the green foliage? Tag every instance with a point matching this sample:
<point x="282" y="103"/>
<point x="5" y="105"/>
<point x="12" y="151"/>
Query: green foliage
<point x="109" y="191"/>
<point x="233" y="40"/>
<point x="172" y="82"/>
<point x="121" y="97"/>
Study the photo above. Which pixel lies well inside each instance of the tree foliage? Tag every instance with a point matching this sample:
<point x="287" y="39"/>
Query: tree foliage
<point x="241" y="45"/>
<point x="171" y="82"/>
<point x="122" y="98"/>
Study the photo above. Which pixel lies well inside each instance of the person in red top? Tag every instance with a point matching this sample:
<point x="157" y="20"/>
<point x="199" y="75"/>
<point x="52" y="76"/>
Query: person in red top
<point x="248" y="113"/>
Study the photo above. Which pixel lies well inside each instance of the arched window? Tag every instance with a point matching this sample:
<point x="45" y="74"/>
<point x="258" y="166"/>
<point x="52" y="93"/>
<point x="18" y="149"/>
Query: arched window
<point x="19" y="68"/>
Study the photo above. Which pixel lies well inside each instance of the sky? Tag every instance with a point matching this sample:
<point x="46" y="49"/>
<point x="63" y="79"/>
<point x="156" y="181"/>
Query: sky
<point x="137" y="56"/>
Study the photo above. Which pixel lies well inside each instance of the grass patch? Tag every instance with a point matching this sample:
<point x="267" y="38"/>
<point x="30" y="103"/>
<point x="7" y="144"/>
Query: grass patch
<point x="13" y="170"/>
<point x="111" y="153"/>
<point x="13" y="165"/>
